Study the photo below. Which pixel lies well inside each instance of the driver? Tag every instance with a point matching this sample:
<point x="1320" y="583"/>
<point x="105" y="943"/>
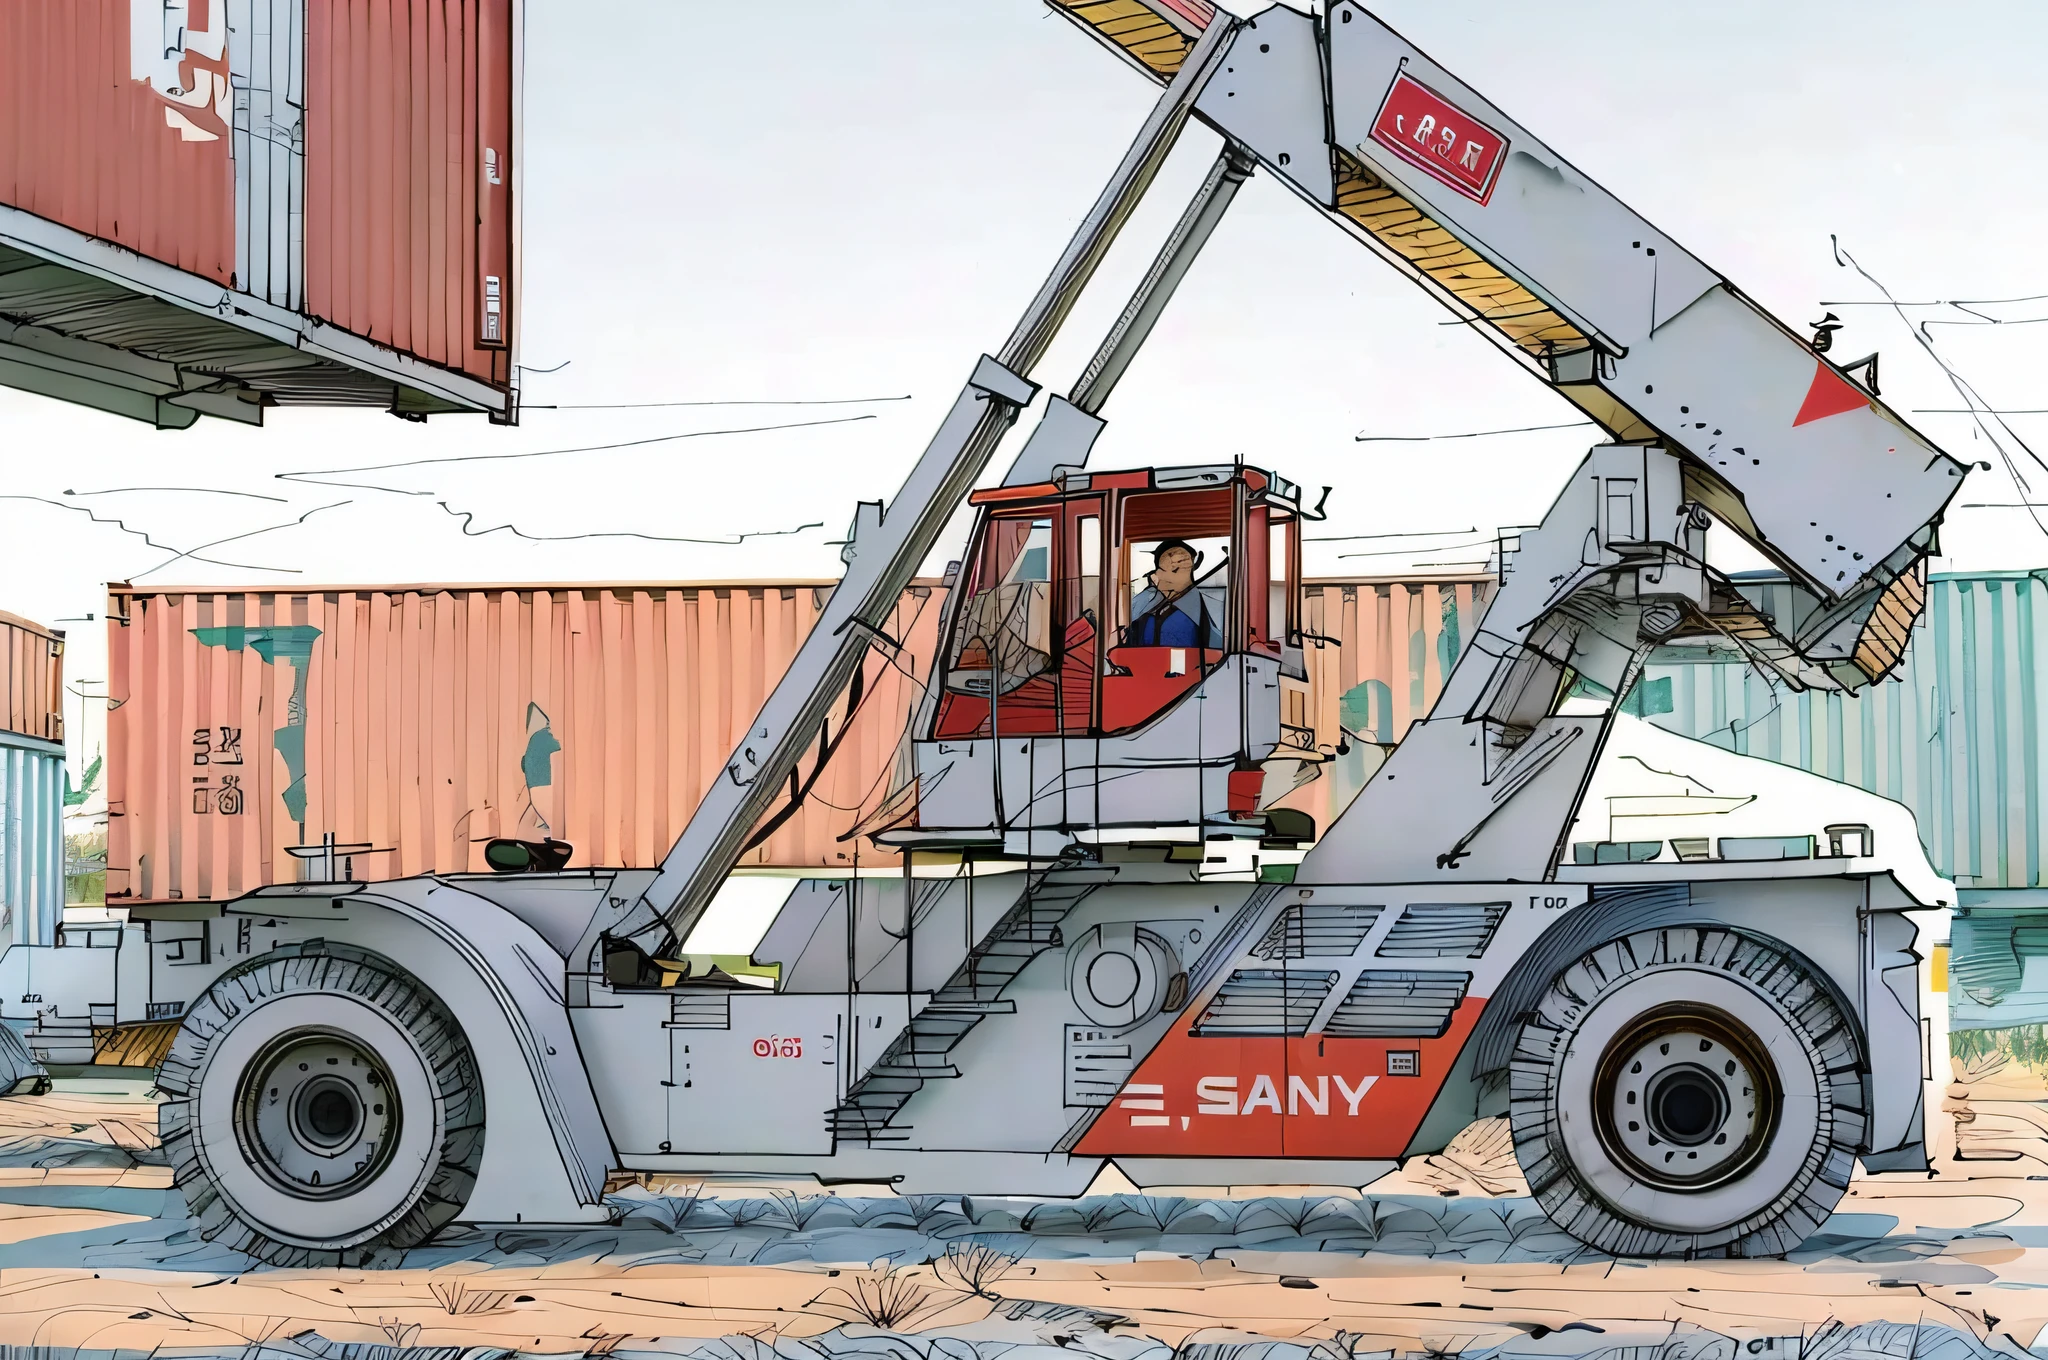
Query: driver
<point x="1171" y="611"/>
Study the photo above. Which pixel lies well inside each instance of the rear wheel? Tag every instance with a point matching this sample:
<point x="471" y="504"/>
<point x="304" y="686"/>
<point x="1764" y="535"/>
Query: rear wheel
<point x="1688" y="1091"/>
<point x="322" y="1109"/>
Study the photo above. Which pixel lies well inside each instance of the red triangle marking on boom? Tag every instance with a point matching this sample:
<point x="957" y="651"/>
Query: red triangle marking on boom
<point x="1830" y="395"/>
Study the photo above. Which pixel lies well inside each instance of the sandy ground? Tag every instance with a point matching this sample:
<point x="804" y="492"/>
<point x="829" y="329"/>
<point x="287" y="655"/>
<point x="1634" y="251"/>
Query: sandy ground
<point x="95" y="1253"/>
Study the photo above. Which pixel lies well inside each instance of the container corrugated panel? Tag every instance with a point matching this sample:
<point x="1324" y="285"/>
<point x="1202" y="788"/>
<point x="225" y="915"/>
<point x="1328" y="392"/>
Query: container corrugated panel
<point x="408" y="192"/>
<point x="118" y="133"/>
<point x="1378" y="652"/>
<point x="1955" y="734"/>
<point x="31" y="838"/>
<point x="1386" y="646"/>
<point x="424" y="721"/>
<point x="32" y="672"/>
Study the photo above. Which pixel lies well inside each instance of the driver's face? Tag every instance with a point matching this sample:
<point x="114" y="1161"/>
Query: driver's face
<point x="1173" y="571"/>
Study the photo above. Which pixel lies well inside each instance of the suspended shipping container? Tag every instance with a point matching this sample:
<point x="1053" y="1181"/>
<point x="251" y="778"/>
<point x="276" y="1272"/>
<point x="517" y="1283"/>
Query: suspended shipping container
<point x="31" y="781"/>
<point x="214" y="206"/>
<point x="413" y="724"/>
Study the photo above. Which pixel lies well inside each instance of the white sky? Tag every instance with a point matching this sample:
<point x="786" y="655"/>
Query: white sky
<point x="821" y="199"/>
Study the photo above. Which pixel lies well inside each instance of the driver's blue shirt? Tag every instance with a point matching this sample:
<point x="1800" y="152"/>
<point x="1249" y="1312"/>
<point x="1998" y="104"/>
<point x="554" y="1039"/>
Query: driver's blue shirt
<point x="1185" y="621"/>
<point x="1168" y="628"/>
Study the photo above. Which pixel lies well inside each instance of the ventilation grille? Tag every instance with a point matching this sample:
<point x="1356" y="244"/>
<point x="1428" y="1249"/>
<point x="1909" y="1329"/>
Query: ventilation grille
<point x="1398" y="1006"/>
<point x="1266" y="1001"/>
<point x="1317" y="932"/>
<point x="1098" y="1064"/>
<point x="701" y="1008"/>
<point x="1443" y="930"/>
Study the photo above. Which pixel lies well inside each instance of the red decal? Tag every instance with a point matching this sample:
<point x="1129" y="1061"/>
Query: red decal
<point x="1212" y="1096"/>
<point x="1830" y="395"/>
<point x="1427" y="131"/>
<point x="777" y="1046"/>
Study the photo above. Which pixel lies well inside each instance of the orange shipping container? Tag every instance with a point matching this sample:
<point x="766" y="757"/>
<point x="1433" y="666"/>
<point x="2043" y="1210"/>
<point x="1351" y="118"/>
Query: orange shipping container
<point x="422" y="721"/>
<point x="32" y="668"/>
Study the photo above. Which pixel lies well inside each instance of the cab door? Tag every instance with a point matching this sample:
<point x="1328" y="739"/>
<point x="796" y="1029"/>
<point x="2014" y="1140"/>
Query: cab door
<point x="1081" y="608"/>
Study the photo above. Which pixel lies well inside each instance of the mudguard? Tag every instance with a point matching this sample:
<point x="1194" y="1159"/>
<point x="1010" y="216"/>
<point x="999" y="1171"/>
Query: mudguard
<point x="546" y="1153"/>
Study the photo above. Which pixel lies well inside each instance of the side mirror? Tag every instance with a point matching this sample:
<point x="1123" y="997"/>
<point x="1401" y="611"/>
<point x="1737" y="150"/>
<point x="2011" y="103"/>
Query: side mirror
<point x="508" y="856"/>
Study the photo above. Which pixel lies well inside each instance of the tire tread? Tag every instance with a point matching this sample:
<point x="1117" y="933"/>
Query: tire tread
<point x="406" y="1003"/>
<point x="1786" y="981"/>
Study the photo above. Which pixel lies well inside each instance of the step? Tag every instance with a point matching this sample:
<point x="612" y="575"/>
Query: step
<point x="911" y="1055"/>
<point x="921" y="1071"/>
<point x="953" y="1023"/>
<point x="964" y="1004"/>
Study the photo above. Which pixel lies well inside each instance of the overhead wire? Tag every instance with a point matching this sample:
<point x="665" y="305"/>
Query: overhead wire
<point x="653" y="405"/>
<point x="1979" y="408"/>
<point x="319" y="477"/>
<point x="468" y="517"/>
<point x="1467" y="434"/>
<point x="193" y="490"/>
<point x="304" y="474"/>
<point x="1420" y="533"/>
<point x="236" y="538"/>
<point x="142" y="534"/>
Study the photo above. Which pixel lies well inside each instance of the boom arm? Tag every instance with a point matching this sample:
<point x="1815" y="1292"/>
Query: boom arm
<point x="1716" y="410"/>
<point x="1725" y="411"/>
<point x="886" y="548"/>
<point x="1780" y="445"/>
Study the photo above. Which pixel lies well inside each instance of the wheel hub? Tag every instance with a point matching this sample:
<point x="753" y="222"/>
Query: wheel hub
<point x="316" y="1114"/>
<point x="1685" y="1098"/>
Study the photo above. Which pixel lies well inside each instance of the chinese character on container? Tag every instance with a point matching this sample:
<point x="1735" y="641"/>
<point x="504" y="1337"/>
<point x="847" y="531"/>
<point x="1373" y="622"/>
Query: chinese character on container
<point x="226" y="749"/>
<point x="224" y="798"/>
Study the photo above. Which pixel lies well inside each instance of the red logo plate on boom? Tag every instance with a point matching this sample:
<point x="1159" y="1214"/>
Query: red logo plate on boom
<point x="1422" y="128"/>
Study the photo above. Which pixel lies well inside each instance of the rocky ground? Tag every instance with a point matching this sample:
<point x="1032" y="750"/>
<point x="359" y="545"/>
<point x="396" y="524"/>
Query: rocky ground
<point x="1449" y="1257"/>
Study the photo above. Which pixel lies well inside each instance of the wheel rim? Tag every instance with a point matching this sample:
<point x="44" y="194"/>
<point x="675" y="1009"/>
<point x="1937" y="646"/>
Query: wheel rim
<point x="1686" y="1098"/>
<point x="316" y="1114"/>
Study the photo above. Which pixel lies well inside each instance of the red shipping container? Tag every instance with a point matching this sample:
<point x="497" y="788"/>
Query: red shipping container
<point x="422" y="721"/>
<point x="211" y="206"/>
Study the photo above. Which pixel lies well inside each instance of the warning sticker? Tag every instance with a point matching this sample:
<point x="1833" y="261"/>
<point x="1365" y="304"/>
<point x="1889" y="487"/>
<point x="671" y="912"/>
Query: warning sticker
<point x="1432" y="134"/>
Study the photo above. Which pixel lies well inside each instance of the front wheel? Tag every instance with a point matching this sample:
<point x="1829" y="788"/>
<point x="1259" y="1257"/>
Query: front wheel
<point x="323" y="1109"/>
<point x="1688" y="1091"/>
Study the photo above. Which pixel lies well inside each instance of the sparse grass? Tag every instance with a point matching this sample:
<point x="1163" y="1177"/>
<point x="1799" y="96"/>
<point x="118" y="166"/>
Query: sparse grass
<point x="798" y="1209"/>
<point x="459" y="1300"/>
<point x="602" y="1342"/>
<point x="973" y="1267"/>
<point x="400" y="1334"/>
<point x="1341" y="1346"/>
<point x="665" y="1211"/>
<point x="889" y="1298"/>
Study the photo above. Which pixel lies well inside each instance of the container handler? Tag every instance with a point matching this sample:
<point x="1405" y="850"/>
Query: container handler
<point x="1694" y="1043"/>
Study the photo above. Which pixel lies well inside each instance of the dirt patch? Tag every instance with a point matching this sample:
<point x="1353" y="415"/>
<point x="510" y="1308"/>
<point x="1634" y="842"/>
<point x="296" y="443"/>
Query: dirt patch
<point x="1449" y="1256"/>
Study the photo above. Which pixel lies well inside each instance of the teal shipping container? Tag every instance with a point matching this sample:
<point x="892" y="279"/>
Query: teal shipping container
<point x="31" y="781"/>
<point x="1955" y="734"/>
<point x="31" y="838"/>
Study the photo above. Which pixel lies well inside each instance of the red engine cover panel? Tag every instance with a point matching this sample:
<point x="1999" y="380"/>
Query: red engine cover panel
<point x="1198" y="1096"/>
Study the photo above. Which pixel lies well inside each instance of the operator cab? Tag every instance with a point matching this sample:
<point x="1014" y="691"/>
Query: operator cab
<point x="1096" y="608"/>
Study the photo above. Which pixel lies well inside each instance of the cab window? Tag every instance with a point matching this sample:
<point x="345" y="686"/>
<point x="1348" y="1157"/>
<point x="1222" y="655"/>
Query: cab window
<point x="1003" y="635"/>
